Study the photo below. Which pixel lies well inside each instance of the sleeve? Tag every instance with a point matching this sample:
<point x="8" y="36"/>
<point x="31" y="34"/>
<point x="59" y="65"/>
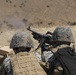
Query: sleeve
<point x="6" y="67"/>
<point x="2" y="70"/>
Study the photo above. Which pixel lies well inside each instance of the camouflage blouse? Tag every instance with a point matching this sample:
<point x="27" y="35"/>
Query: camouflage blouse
<point x="6" y="68"/>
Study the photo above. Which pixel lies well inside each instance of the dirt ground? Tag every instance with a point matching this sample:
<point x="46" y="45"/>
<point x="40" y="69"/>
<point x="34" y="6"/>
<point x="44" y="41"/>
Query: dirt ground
<point x="42" y="15"/>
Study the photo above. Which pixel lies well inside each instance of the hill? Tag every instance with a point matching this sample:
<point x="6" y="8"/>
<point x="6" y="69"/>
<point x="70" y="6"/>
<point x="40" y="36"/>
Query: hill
<point x="16" y="15"/>
<point x="38" y="13"/>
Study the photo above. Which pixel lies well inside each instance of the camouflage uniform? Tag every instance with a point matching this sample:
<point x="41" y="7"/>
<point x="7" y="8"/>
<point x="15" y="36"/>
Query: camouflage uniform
<point x="6" y="68"/>
<point x="21" y="63"/>
<point x="63" y="38"/>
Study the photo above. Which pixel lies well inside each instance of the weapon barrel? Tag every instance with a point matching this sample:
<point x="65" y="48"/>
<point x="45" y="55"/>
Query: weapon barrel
<point x="33" y="31"/>
<point x="36" y="35"/>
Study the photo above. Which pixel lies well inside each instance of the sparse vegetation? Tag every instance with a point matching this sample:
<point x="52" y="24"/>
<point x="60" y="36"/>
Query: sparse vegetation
<point x="47" y="6"/>
<point x="39" y="23"/>
<point x="72" y="23"/>
<point x="9" y="1"/>
<point x="1" y="32"/>
<point x="14" y="5"/>
<point x="41" y="10"/>
<point x="24" y="20"/>
<point x="5" y="22"/>
<point x="22" y="5"/>
<point x="9" y="25"/>
<point x="50" y="23"/>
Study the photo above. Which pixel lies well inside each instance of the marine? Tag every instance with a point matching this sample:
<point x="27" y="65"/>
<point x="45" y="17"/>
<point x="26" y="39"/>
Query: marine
<point x="63" y="53"/>
<point x="23" y="62"/>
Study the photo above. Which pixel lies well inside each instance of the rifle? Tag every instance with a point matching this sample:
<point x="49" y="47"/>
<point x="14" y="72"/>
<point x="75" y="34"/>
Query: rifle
<point x="45" y="38"/>
<point x="36" y="35"/>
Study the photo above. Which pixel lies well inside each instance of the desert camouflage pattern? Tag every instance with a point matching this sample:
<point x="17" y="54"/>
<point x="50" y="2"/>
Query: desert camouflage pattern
<point x="21" y="39"/>
<point x="25" y="63"/>
<point x="63" y="34"/>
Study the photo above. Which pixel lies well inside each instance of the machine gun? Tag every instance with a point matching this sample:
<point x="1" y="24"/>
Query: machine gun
<point x="45" y="38"/>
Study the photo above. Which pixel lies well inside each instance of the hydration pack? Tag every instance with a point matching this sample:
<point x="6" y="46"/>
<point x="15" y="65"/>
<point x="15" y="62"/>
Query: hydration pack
<point x="67" y="59"/>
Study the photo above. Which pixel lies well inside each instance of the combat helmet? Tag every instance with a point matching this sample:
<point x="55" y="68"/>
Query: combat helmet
<point x="21" y="39"/>
<point x="63" y="34"/>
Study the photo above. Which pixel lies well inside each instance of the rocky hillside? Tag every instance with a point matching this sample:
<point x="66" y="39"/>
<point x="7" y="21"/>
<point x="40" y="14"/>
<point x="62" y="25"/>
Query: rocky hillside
<point x="37" y="13"/>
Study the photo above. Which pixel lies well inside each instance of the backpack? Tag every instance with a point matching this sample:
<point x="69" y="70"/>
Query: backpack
<point x="67" y="59"/>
